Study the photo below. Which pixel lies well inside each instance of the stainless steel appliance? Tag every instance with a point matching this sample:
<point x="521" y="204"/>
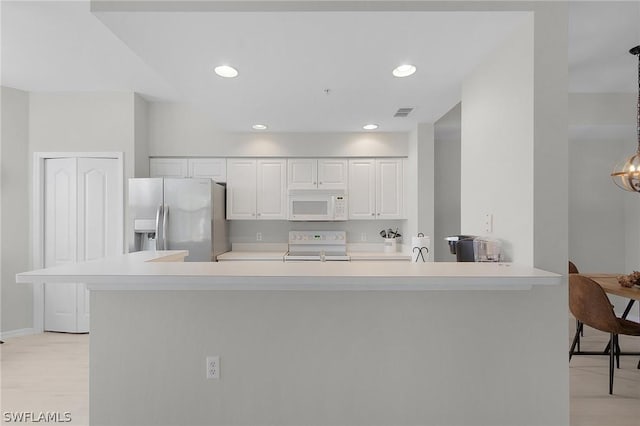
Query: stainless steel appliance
<point x="317" y="205"/>
<point x="179" y="214"/>
<point x="317" y="246"/>
<point x="468" y="248"/>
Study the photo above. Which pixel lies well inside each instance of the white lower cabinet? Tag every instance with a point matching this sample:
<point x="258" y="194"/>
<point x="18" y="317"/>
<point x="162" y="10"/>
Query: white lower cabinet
<point x="256" y="189"/>
<point x="376" y="189"/>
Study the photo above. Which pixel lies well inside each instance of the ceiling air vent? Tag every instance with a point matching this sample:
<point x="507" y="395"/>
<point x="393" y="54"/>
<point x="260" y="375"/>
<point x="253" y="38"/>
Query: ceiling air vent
<point x="403" y="112"/>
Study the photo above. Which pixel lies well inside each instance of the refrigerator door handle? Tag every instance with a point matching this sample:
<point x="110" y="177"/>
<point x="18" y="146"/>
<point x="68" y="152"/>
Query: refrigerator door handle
<point x="164" y="226"/>
<point x="159" y="214"/>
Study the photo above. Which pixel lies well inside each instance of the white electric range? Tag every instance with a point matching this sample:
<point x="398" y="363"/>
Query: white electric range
<point x="319" y="246"/>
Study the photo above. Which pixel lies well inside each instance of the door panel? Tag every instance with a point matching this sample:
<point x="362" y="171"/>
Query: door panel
<point x="389" y="189"/>
<point x="241" y="188"/>
<point x="97" y="208"/>
<point x="82" y="221"/>
<point x="168" y="167"/>
<point x="271" y="197"/>
<point x="362" y="189"/>
<point x="302" y="173"/>
<point x="332" y="174"/>
<point x="60" y="236"/>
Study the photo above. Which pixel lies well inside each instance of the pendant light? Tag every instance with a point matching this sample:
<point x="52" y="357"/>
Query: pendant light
<point x="627" y="174"/>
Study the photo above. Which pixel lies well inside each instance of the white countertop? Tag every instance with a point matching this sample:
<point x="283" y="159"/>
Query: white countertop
<point x="147" y="271"/>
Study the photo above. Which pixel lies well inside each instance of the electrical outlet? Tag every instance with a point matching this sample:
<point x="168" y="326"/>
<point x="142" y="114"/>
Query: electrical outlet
<point x="213" y="367"/>
<point x="488" y="223"/>
<point x="258" y="236"/>
<point x="363" y="236"/>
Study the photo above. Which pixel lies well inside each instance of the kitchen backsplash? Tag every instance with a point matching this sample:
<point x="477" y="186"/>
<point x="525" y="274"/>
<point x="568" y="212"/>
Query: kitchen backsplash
<point x="277" y="231"/>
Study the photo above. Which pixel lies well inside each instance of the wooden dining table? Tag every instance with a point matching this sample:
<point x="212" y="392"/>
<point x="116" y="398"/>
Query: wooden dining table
<point x="610" y="284"/>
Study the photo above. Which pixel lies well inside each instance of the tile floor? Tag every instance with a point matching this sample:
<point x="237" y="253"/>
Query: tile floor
<point x="49" y="372"/>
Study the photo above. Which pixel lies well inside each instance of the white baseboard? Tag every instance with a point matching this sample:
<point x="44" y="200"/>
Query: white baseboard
<point x="16" y="333"/>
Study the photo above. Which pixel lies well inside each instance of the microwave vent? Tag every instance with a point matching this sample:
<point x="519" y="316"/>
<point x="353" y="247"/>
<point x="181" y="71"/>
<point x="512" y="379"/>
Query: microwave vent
<point x="403" y="112"/>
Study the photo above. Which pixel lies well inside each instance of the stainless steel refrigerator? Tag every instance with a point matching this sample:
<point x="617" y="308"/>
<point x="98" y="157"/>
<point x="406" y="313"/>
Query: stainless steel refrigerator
<point x="179" y="214"/>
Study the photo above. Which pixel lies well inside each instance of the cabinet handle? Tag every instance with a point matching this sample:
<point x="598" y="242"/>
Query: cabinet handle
<point x="319" y="183"/>
<point x="258" y="214"/>
<point x="378" y="214"/>
<point x="373" y="214"/>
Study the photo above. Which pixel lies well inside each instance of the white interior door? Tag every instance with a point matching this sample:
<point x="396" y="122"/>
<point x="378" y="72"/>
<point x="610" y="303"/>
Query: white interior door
<point x="82" y="212"/>
<point x="60" y="241"/>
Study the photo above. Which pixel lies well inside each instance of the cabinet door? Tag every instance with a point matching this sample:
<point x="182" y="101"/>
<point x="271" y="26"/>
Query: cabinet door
<point x="302" y="173"/>
<point x="332" y="174"/>
<point x="214" y="168"/>
<point x="362" y="189"/>
<point x="389" y="189"/>
<point x="168" y="167"/>
<point x="272" y="194"/>
<point x="241" y="188"/>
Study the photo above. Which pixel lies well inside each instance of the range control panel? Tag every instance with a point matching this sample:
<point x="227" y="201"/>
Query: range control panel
<point x="318" y="237"/>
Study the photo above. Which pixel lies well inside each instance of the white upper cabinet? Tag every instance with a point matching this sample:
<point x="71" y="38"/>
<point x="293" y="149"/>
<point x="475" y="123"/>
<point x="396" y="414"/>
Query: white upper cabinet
<point x="362" y="189"/>
<point x="311" y="173"/>
<point x="332" y="173"/>
<point x="271" y="201"/>
<point x="376" y="189"/>
<point x="256" y="189"/>
<point x="302" y="173"/>
<point x="389" y="189"/>
<point x="213" y="168"/>
<point x="241" y="188"/>
<point x="168" y="167"/>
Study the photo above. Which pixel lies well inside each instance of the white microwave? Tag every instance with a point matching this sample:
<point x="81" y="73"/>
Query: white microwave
<point x="317" y="205"/>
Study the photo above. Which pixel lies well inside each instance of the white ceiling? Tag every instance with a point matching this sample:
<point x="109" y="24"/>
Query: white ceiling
<point x="287" y="60"/>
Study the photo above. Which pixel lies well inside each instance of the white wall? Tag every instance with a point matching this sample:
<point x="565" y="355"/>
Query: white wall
<point x="141" y="136"/>
<point x="81" y="122"/>
<point x="182" y="130"/>
<point x="497" y="147"/>
<point x="601" y="216"/>
<point x="324" y="358"/>
<point x="425" y="180"/>
<point x="16" y="298"/>
<point x="447" y="182"/>
<point x="604" y="230"/>
<point x="419" y="189"/>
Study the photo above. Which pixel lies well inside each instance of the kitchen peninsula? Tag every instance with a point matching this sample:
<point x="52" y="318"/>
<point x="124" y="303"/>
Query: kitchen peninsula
<point x="316" y="342"/>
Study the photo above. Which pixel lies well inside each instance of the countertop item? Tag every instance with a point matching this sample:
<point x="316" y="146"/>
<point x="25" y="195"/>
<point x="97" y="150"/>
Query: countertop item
<point x="134" y="271"/>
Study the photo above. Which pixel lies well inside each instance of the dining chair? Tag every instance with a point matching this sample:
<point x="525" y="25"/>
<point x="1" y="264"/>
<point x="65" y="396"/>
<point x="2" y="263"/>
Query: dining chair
<point x="590" y="305"/>
<point x="573" y="269"/>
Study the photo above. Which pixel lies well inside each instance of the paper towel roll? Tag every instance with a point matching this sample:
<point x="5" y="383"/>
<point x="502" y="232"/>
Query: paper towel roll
<point x="420" y="249"/>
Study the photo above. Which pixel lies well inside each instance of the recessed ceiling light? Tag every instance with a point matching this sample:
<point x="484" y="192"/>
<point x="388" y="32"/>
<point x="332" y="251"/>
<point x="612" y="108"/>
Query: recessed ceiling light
<point x="370" y="126"/>
<point x="226" y="71"/>
<point x="259" y="127"/>
<point x="404" y="70"/>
